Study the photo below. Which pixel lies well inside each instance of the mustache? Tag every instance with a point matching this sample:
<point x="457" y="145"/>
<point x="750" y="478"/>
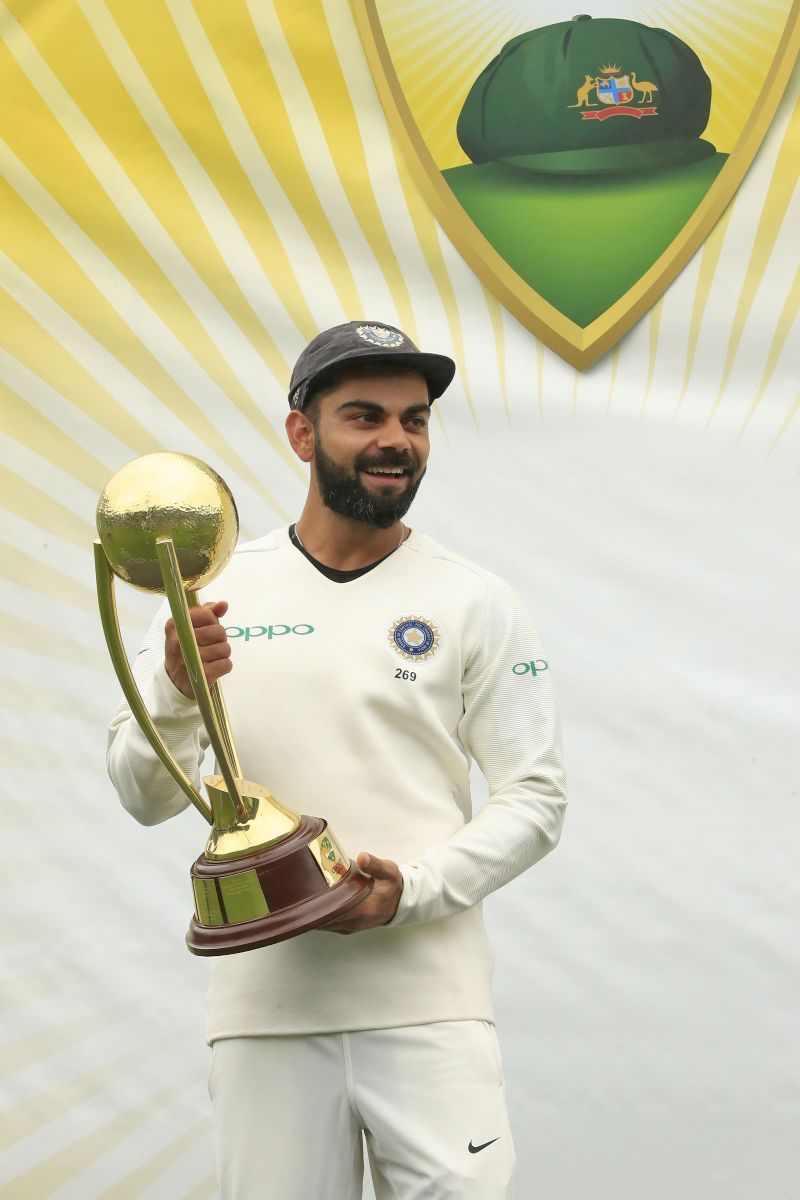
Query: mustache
<point x="390" y="458"/>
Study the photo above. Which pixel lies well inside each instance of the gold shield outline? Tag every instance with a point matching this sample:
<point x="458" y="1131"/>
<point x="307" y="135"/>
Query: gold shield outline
<point x="580" y="346"/>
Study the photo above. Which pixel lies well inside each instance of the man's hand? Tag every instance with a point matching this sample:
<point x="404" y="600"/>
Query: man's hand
<point x="212" y="642"/>
<point x="381" y="904"/>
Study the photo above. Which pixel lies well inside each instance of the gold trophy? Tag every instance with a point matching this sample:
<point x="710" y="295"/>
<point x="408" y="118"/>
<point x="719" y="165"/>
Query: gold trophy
<point x="168" y="524"/>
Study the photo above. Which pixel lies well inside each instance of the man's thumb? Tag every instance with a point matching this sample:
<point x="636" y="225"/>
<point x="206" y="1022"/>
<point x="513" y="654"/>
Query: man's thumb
<point x="378" y="868"/>
<point x="370" y="864"/>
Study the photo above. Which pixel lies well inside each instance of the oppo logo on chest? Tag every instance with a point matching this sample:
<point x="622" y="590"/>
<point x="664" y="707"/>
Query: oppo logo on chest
<point x="249" y="632"/>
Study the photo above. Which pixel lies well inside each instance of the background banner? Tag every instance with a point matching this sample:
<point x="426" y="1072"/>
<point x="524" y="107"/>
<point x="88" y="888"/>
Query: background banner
<point x="191" y="192"/>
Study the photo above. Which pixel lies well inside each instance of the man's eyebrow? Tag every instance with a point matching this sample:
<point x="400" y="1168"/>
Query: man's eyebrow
<point x="371" y="406"/>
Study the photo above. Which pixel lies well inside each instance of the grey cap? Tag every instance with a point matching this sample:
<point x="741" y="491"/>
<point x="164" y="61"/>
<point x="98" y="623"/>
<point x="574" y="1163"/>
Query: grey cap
<point x="359" y="341"/>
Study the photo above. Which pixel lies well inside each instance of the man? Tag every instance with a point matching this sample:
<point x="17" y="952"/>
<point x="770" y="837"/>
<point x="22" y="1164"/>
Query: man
<point x="368" y="666"/>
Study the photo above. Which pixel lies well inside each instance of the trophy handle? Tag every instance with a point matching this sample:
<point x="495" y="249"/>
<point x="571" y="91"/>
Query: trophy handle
<point x="209" y="701"/>
<point x="110" y="623"/>
<point x="220" y="708"/>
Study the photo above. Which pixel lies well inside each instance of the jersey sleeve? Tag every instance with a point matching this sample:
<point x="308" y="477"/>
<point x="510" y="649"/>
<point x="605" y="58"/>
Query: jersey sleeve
<point x="510" y="725"/>
<point x="145" y="787"/>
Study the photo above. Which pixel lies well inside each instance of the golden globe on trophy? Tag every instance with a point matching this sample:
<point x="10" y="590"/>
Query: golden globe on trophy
<point x="168" y="524"/>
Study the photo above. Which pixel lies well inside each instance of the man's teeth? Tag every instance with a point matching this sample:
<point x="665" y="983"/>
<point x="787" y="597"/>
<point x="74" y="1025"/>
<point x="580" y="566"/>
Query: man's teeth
<point x="386" y="470"/>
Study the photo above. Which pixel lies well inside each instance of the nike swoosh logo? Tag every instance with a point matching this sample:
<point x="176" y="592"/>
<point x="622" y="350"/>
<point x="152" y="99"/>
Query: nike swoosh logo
<point x="476" y="1149"/>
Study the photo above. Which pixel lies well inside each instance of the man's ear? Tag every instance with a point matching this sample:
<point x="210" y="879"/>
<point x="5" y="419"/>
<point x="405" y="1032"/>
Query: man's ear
<point x="300" y="431"/>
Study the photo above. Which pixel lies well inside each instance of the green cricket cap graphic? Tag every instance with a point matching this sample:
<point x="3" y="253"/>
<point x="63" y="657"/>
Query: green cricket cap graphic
<point x="589" y="97"/>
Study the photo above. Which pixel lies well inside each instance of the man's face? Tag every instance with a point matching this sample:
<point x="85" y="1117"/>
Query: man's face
<point x="371" y="446"/>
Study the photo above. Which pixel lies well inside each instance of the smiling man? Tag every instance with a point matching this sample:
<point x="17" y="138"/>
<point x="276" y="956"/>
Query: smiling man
<point x="383" y="664"/>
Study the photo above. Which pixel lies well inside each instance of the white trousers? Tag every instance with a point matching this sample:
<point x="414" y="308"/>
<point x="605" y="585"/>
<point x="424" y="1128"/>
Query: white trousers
<point x="288" y="1115"/>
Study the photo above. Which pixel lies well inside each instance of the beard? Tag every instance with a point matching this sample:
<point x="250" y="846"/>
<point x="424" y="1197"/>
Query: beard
<point x="343" y="492"/>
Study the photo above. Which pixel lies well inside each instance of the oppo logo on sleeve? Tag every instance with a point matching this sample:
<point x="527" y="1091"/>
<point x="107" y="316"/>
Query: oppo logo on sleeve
<point x="533" y="666"/>
<point x="249" y="632"/>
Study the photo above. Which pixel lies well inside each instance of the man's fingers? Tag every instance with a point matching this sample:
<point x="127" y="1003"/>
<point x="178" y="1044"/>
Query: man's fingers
<point x="212" y="642"/>
<point x="214" y="670"/>
<point x="212" y="654"/>
<point x="208" y="614"/>
<point x="380" y="906"/>
<point x="209" y="635"/>
<point x="378" y="868"/>
<point x="203" y="616"/>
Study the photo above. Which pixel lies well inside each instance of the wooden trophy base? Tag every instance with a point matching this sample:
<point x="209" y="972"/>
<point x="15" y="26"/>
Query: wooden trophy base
<point x="301" y="883"/>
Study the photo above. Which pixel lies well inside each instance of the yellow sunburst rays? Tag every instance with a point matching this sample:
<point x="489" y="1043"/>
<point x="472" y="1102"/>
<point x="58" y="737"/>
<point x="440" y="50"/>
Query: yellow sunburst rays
<point x="776" y="204"/>
<point x="326" y="163"/>
<point x="495" y="311"/>
<point x="46" y="438"/>
<point x="156" y="1167"/>
<point x="709" y="260"/>
<point x="126" y="357"/>
<point x="30" y="503"/>
<point x="612" y="383"/>
<point x="426" y="231"/>
<point x="43" y="435"/>
<point x="117" y="357"/>
<point x="654" y="334"/>
<point x="309" y="41"/>
<point x="33" y="698"/>
<point x="43" y="372"/>
<point x="427" y="235"/>
<point x="785" y="322"/>
<point x="242" y="89"/>
<point x="336" y="106"/>
<point x="736" y="61"/>
<point x="161" y="80"/>
<point x="203" y="1190"/>
<point x="540" y="377"/>
<point x="348" y="49"/>
<point x="132" y="225"/>
<point x="789" y="418"/>
<point x="53" y="643"/>
<point x="438" y="51"/>
<point x="37" y="574"/>
<point x="34" y="1047"/>
<point x="27" y="1117"/>
<point x="419" y="36"/>
<point x="423" y="50"/>
<point x="27" y="987"/>
<point x="438" y="59"/>
<point x="40" y="1181"/>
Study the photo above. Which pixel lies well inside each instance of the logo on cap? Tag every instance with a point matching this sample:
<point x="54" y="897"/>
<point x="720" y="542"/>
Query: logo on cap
<point x="414" y="638"/>
<point x="614" y="90"/>
<point x="376" y="335"/>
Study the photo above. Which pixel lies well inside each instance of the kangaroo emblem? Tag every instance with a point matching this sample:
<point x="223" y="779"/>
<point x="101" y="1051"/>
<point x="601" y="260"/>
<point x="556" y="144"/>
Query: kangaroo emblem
<point x="583" y="93"/>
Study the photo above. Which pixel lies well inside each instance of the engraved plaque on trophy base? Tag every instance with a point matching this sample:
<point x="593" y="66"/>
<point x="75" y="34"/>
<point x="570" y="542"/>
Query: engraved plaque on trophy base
<point x="299" y="884"/>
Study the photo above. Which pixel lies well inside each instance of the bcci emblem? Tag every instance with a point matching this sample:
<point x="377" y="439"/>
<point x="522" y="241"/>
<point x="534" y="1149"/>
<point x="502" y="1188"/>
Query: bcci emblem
<point x="376" y="335"/>
<point x="414" y="638"/>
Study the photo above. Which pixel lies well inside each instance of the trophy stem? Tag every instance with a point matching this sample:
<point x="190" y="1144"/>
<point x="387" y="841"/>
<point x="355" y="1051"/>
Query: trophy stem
<point x="216" y="729"/>
<point x="220" y="708"/>
<point x="110" y="623"/>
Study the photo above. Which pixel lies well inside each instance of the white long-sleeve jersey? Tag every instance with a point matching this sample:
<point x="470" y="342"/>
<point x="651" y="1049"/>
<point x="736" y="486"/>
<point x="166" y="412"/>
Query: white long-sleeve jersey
<point x="364" y="702"/>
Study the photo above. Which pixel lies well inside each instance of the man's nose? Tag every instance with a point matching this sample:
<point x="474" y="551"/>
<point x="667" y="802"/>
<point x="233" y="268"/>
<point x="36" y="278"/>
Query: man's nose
<point x="394" y="433"/>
